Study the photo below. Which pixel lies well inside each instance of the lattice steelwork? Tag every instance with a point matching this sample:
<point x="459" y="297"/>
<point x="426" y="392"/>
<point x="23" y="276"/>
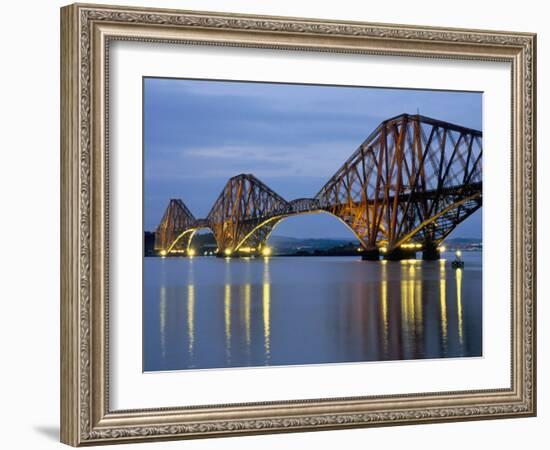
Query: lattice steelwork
<point x="414" y="179"/>
<point x="245" y="213"/>
<point x="175" y="229"/>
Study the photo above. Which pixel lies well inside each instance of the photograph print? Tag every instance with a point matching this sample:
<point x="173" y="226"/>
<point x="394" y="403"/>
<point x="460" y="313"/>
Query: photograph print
<point x="297" y="224"/>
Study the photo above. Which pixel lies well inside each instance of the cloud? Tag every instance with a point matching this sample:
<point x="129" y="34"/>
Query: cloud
<point x="225" y="161"/>
<point x="198" y="134"/>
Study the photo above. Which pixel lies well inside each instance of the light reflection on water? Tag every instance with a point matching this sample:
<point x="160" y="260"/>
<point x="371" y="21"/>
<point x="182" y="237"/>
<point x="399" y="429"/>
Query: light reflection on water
<point x="215" y="313"/>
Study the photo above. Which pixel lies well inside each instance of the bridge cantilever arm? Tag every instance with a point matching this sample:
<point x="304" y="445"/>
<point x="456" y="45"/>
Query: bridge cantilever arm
<point x="256" y="228"/>
<point x="190" y="230"/>
<point x="435" y="217"/>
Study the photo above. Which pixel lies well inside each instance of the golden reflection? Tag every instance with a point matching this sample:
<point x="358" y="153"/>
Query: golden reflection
<point x="411" y="304"/>
<point x="266" y="309"/>
<point x="163" y="321"/>
<point x="458" y="273"/>
<point x="443" y="303"/>
<point x="227" y="317"/>
<point x="384" y="306"/>
<point x="412" y="309"/>
<point x="247" y="295"/>
<point x="227" y="311"/>
<point x="191" y="317"/>
<point x="405" y="312"/>
<point x="418" y="300"/>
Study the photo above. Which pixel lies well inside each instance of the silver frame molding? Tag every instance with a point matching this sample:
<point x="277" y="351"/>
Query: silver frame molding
<point x="86" y="32"/>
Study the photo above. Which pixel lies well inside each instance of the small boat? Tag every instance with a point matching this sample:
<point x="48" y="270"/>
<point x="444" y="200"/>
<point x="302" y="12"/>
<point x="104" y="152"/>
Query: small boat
<point x="458" y="263"/>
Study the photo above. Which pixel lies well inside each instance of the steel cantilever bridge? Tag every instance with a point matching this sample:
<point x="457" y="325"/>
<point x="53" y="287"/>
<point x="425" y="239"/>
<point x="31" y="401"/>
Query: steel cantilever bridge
<point x="406" y="187"/>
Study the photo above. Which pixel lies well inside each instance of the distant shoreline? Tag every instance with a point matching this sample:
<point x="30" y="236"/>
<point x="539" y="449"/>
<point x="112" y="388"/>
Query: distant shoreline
<point x="280" y="255"/>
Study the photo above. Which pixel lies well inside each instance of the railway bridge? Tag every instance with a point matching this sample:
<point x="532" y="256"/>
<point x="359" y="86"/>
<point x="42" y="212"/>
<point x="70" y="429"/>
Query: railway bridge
<point x="404" y="189"/>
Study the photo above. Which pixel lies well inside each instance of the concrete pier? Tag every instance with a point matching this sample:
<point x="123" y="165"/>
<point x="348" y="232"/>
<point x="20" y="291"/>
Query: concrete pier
<point x="370" y="255"/>
<point x="399" y="254"/>
<point x="430" y="253"/>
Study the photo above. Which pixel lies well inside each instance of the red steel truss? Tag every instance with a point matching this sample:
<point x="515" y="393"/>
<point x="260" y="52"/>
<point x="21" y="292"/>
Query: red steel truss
<point x="176" y="229"/>
<point x="413" y="180"/>
<point x="410" y="183"/>
<point x="245" y="213"/>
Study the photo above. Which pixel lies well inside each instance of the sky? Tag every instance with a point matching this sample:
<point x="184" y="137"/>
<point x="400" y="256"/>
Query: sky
<point x="198" y="134"/>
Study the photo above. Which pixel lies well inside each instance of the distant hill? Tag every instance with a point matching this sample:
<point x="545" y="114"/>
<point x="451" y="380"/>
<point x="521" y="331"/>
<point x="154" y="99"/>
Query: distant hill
<point x="286" y="245"/>
<point x="463" y="241"/>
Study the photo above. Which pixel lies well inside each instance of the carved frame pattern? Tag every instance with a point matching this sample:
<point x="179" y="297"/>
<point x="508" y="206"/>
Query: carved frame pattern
<point x="85" y="416"/>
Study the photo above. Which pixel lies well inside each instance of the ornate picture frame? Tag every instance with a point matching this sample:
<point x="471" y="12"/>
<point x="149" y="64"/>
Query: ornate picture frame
<point x="86" y="34"/>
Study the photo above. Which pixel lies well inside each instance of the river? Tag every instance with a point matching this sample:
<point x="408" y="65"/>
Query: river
<point x="208" y="312"/>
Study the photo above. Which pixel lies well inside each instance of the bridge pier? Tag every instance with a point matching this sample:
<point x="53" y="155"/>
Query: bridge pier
<point x="398" y="254"/>
<point x="430" y="253"/>
<point x="370" y="254"/>
<point x="244" y="254"/>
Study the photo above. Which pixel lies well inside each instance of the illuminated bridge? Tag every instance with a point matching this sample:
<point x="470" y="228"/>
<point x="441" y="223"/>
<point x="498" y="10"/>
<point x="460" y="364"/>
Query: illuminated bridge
<point x="406" y="187"/>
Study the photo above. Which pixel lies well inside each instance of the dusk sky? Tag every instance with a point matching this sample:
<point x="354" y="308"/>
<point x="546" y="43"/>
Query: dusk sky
<point x="198" y="134"/>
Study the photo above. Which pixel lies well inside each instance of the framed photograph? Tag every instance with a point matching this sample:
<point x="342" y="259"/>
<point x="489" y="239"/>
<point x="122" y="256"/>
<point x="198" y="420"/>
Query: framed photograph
<point x="276" y="224"/>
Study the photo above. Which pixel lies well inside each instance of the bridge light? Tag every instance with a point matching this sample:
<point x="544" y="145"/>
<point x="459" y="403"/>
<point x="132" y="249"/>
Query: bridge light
<point x="191" y="252"/>
<point x="247" y="249"/>
<point x="227" y="252"/>
<point x="383" y="249"/>
<point x="442" y="248"/>
<point x="163" y="253"/>
<point x="411" y="245"/>
<point x="266" y="251"/>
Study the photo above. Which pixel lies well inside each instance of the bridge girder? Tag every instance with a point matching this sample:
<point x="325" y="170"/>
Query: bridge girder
<point x="394" y="187"/>
<point x="414" y="179"/>
<point x="244" y="214"/>
<point x="174" y="230"/>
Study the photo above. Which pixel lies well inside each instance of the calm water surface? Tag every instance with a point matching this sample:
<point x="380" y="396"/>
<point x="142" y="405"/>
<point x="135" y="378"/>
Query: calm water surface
<point x="208" y="312"/>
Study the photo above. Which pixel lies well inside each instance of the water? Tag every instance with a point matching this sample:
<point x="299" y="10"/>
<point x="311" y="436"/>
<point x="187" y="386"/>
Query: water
<point x="208" y="312"/>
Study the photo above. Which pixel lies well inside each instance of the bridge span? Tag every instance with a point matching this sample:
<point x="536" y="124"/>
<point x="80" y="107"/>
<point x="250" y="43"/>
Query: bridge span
<point x="404" y="189"/>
